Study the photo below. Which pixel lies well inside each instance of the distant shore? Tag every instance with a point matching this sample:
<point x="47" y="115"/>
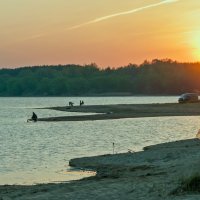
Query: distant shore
<point x="105" y="112"/>
<point x="163" y="171"/>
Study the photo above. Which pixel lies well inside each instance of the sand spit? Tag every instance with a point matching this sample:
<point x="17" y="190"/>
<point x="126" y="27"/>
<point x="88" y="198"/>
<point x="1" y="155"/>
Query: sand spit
<point x="126" y="111"/>
<point x="158" y="172"/>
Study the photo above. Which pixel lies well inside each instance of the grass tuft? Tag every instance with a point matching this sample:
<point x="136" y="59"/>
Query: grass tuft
<point x="192" y="184"/>
<point x="188" y="185"/>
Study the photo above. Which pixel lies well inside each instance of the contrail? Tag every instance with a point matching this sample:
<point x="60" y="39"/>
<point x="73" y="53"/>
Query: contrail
<point x="122" y="13"/>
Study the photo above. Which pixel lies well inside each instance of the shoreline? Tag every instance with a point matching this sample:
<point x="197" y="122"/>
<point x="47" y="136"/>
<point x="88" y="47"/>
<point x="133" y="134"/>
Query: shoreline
<point x="121" y="111"/>
<point x="99" y="95"/>
<point x="157" y="172"/>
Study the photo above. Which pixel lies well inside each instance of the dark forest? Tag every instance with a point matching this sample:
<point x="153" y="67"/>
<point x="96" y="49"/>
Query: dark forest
<point x="158" y="77"/>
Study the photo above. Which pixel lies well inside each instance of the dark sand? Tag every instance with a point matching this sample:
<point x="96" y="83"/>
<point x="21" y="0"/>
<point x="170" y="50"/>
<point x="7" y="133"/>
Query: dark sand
<point x="156" y="173"/>
<point x="105" y="112"/>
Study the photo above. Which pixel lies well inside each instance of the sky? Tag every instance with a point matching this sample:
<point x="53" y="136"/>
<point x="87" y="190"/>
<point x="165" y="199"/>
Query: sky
<point x="106" y="32"/>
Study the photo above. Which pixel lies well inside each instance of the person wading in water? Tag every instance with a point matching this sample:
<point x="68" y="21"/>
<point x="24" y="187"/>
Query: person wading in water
<point x="33" y="118"/>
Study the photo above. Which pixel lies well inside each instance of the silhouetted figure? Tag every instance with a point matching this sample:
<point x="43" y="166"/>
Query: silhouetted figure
<point x="34" y="117"/>
<point x="71" y="104"/>
<point x="81" y="103"/>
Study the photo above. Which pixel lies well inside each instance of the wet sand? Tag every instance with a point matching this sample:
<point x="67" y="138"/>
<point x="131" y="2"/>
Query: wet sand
<point x="157" y="172"/>
<point x="105" y="112"/>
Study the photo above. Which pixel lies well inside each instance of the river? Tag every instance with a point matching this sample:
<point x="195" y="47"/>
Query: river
<point x="39" y="152"/>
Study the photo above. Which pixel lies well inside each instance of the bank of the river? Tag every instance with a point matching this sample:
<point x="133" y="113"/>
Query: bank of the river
<point x="161" y="171"/>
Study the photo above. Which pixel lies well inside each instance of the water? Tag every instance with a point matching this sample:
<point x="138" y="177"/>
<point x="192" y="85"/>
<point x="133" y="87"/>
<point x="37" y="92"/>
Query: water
<point x="39" y="152"/>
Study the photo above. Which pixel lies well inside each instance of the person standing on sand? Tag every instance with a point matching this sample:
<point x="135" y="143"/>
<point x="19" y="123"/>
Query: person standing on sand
<point x="71" y="104"/>
<point x="81" y="103"/>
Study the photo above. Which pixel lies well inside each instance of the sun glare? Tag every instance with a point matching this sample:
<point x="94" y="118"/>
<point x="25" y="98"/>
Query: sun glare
<point x="196" y="45"/>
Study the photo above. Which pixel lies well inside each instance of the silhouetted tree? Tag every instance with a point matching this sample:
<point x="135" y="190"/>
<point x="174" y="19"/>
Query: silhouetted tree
<point x="156" y="77"/>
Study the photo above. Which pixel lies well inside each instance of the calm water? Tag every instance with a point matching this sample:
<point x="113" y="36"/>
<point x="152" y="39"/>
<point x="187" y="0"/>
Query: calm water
<point x="39" y="152"/>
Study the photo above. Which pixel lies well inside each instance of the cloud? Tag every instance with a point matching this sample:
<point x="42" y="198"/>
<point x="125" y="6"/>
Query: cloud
<point x="40" y="35"/>
<point x="122" y="13"/>
<point x="34" y="36"/>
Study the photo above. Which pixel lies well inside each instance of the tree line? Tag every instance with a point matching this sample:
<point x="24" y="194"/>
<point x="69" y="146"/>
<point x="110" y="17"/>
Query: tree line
<point x="157" y="77"/>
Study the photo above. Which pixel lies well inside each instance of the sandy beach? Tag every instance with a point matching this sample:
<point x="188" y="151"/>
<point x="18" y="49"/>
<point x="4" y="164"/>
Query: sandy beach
<point x="105" y="112"/>
<point x="160" y="171"/>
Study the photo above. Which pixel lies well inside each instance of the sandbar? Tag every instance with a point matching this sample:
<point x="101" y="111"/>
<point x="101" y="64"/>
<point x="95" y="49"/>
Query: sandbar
<point x="120" y="111"/>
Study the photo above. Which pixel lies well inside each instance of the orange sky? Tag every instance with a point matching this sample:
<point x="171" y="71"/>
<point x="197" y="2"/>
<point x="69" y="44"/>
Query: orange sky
<point x="107" y="32"/>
